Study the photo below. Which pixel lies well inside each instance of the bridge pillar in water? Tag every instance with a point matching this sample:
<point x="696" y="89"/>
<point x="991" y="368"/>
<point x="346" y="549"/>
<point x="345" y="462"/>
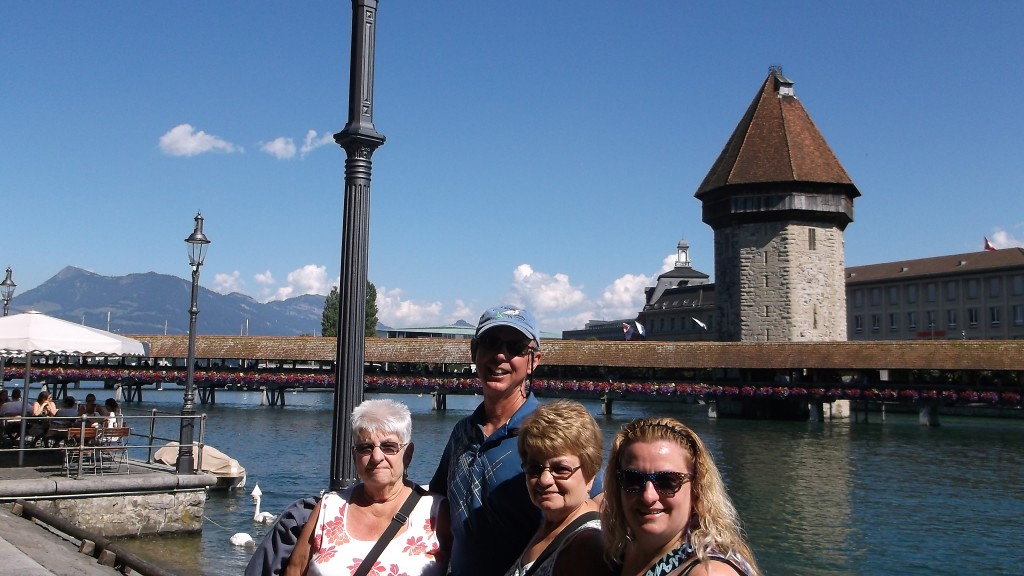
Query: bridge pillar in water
<point x="928" y="415"/>
<point x="606" y="405"/>
<point x="838" y="409"/>
<point x="816" y="409"/>
<point x="440" y="400"/>
<point x="207" y="395"/>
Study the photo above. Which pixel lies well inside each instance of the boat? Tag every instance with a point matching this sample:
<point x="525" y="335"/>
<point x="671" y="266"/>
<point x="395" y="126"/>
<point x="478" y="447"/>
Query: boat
<point x="230" y="474"/>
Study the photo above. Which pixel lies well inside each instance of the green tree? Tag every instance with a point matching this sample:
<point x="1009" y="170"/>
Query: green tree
<point x="370" y="328"/>
<point x="329" y="318"/>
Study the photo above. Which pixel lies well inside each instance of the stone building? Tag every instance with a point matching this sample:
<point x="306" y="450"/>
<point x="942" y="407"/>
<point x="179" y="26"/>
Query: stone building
<point x="778" y="201"/>
<point x="974" y="296"/>
<point x="681" y="306"/>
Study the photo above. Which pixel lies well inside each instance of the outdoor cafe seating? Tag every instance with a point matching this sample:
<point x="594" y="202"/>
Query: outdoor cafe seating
<point x="97" y="450"/>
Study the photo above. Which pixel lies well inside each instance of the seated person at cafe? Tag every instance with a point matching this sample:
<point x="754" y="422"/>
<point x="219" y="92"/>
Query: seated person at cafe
<point x="12" y="410"/>
<point x="114" y="417"/>
<point x="66" y="417"/>
<point x="67" y="413"/>
<point x="14" y="406"/>
<point x="44" y="407"/>
<point x="91" y="408"/>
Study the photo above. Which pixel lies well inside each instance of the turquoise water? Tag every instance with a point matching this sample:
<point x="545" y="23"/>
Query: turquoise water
<point x="837" y="498"/>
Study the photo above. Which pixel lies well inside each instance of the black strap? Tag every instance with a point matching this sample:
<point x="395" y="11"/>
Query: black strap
<point x="550" y="549"/>
<point x="397" y="522"/>
<point x="721" y="559"/>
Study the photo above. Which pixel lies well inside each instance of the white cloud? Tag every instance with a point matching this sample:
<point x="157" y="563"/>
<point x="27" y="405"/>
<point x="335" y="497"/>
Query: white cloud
<point x="228" y="283"/>
<point x="184" y="140"/>
<point x="312" y="142"/>
<point x="281" y="148"/>
<point x="310" y="279"/>
<point x="624" y="297"/>
<point x="397" y="312"/>
<point x="542" y="293"/>
<point x="264" y="278"/>
<point x="1003" y="239"/>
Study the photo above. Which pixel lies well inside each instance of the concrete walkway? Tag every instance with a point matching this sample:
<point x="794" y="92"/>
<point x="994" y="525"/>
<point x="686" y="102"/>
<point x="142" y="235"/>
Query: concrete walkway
<point x="31" y="549"/>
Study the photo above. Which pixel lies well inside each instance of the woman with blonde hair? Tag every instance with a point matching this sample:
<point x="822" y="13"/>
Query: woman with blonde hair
<point x="666" y="508"/>
<point x="561" y="449"/>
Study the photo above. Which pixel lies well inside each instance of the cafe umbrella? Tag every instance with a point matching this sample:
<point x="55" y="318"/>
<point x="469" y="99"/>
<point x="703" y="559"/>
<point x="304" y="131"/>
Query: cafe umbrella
<point x="34" y="333"/>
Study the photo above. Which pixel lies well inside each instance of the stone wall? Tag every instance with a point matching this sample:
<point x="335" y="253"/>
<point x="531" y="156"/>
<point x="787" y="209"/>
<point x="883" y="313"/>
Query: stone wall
<point x="132" y="514"/>
<point x="773" y="282"/>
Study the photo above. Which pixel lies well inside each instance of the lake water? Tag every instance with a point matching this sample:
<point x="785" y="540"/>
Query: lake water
<point x="836" y="498"/>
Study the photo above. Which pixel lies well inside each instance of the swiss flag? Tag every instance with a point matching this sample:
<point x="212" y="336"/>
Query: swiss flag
<point x="988" y="245"/>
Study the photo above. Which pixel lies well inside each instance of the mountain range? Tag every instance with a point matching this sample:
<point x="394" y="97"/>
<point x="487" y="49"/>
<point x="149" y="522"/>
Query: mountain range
<point x="151" y="303"/>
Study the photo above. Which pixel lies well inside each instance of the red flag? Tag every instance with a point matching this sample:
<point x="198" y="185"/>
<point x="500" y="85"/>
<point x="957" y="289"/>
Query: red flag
<point x="988" y="245"/>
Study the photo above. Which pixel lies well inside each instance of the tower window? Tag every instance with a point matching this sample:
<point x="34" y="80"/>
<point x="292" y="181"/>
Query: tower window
<point x="812" y="239"/>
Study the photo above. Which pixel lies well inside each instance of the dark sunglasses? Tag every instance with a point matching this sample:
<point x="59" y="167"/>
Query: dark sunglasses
<point x="388" y="448"/>
<point x="558" y="471"/>
<point x="665" y="483"/>
<point x="513" y="347"/>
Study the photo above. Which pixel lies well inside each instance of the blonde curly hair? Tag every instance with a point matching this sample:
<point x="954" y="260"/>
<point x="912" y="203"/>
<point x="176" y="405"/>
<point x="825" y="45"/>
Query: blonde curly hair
<point x="714" y="526"/>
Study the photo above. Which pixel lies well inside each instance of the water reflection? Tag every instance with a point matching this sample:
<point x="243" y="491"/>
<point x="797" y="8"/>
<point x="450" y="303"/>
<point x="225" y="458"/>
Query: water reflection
<point x="816" y="498"/>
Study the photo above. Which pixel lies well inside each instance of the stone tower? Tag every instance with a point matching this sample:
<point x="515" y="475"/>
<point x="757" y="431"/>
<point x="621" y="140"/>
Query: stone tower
<point x="778" y="200"/>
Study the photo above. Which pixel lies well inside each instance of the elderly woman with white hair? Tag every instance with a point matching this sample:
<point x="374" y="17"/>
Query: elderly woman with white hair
<point x="384" y="524"/>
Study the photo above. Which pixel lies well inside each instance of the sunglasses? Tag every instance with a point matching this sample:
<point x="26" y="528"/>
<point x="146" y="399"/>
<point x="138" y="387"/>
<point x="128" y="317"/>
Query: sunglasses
<point x="388" y="448"/>
<point x="665" y="483"/>
<point x="514" y="347"/>
<point x="558" y="471"/>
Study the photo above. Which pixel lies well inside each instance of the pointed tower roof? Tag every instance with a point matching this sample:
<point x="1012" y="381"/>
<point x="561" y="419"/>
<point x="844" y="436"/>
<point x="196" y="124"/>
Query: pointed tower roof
<point x="775" y="142"/>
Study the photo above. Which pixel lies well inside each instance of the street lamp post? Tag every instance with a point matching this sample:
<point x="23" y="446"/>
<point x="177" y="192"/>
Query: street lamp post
<point x="197" y="242"/>
<point x="359" y="139"/>
<point x="6" y="292"/>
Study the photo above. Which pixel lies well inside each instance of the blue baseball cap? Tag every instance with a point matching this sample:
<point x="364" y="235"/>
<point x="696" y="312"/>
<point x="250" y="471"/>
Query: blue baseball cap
<point x="507" y="315"/>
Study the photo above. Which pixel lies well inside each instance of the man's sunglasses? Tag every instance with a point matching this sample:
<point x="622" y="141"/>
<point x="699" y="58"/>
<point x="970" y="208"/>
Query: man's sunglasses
<point x="665" y="483"/>
<point x="512" y="347"/>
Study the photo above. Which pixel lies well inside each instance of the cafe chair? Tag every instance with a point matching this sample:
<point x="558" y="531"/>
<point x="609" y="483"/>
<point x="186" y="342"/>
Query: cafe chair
<point x="112" y="449"/>
<point x="80" y="449"/>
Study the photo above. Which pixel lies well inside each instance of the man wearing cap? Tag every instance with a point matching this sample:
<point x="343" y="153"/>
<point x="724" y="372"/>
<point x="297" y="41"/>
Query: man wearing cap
<point x="492" y="517"/>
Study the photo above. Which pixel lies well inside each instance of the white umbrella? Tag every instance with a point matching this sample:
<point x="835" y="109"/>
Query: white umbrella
<point x="34" y="333"/>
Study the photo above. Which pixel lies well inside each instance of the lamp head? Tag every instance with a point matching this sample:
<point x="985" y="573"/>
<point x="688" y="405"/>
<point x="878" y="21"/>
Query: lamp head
<point x="7" y="287"/>
<point x="198" y="242"/>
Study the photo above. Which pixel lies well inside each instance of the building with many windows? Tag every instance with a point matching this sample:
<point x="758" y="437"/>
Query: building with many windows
<point x="979" y="295"/>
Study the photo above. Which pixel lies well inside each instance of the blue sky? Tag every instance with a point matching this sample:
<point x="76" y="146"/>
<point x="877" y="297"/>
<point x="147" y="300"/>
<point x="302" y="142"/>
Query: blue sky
<point x="539" y="153"/>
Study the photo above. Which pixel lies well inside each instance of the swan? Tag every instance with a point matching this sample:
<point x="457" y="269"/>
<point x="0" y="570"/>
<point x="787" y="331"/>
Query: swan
<point x="241" y="539"/>
<point x="261" y="517"/>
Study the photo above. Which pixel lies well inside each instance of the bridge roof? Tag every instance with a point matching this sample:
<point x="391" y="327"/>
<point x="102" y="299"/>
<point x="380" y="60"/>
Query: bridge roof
<point x="897" y="354"/>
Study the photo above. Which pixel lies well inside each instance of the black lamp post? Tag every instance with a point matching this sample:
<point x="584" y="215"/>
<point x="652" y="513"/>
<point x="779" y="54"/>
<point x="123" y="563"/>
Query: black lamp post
<point x="359" y="139"/>
<point x="197" y="242"/>
<point x="7" y="290"/>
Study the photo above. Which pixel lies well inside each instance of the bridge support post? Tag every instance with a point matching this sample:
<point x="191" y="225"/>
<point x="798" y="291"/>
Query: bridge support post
<point x="440" y="400"/>
<point x="928" y="415"/>
<point x="207" y="395"/>
<point x="606" y="405"/>
<point x="816" y="411"/>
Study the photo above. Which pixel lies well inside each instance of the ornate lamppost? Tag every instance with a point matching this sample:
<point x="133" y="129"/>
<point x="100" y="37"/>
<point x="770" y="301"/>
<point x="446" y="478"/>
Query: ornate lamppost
<point x="359" y="139"/>
<point x="7" y="290"/>
<point x="197" y="242"/>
